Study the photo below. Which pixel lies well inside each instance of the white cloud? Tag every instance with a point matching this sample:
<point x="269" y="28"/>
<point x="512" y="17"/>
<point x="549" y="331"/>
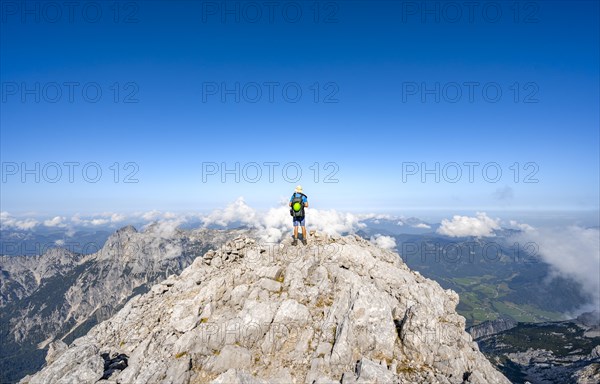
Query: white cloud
<point x="97" y="220"/>
<point x="164" y="228"/>
<point x="57" y="221"/>
<point x="376" y="216"/>
<point x="78" y="220"/>
<point x="276" y="222"/>
<point x="238" y="211"/>
<point x="151" y="215"/>
<point x="332" y="222"/>
<point x="461" y="226"/>
<point x="9" y="221"/>
<point x="26" y="224"/>
<point x="513" y="224"/>
<point x="382" y="241"/>
<point x="114" y="217"/>
<point x="572" y="252"/>
<point x="422" y="225"/>
<point x="158" y="215"/>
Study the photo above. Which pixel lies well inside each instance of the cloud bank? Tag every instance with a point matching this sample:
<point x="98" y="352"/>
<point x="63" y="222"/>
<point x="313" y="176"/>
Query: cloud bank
<point x="274" y="224"/>
<point x="8" y="221"/>
<point x="572" y="252"/>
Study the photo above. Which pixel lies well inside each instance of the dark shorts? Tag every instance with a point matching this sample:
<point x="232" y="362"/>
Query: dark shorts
<point x="299" y="221"/>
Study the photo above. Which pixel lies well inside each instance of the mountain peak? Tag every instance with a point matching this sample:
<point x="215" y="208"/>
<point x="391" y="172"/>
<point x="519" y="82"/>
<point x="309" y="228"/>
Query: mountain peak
<point x="128" y="229"/>
<point x="338" y="310"/>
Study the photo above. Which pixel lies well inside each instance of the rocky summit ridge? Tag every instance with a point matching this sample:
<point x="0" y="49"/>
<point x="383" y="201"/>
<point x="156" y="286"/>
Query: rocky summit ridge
<point x="340" y="310"/>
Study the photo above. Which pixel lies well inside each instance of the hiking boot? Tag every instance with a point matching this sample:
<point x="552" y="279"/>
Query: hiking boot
<point x="295" y="242"/>
<point x="304" y="242"/>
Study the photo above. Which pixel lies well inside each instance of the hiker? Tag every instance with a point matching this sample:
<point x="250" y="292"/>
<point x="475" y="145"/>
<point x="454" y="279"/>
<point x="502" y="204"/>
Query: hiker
<point x="298" y="202"/>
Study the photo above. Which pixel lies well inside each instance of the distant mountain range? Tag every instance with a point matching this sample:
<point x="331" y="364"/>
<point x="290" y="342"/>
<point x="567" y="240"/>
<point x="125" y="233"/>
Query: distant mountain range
<point x="19" y="242"/>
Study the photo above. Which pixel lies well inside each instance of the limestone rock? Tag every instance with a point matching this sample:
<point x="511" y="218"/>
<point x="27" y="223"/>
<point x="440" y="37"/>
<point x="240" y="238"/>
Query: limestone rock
<point x="55" y="349"/>
<point x="353" y="314"/>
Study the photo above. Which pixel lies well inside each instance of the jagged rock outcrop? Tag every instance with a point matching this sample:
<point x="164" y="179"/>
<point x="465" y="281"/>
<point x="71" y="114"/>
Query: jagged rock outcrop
<point x="491" y="327"/>
<point x="338" y="310"/>
<point x="590" y="321"/>
<point x="589" y="374"/>
<point x="62" y="294"/>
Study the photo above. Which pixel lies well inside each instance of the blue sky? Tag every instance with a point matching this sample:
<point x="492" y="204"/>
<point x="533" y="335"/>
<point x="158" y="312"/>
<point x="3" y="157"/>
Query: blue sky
<point x="369" y="74"/>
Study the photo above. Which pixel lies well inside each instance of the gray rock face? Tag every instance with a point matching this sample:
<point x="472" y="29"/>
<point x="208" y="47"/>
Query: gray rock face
<point x="491" y="327"/>
<point x="79" y="364"/>
<point x="589" y="319"/>
<point x="23" y="275"/>
<point x="339" y="310"/>
<point x="55" y="349"/>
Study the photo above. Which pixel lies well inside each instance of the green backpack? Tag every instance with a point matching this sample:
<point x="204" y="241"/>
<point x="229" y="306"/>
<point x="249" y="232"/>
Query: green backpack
<point x="297" y="205"/>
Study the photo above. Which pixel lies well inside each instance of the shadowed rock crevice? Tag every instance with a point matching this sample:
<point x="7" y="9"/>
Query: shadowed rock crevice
<point x="113" y="364"/>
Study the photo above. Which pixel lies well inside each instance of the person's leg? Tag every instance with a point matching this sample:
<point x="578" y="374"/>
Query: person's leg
<point x="295" y="241"/>
<point x="303" y="225"/>
<point x="304" y="239"/>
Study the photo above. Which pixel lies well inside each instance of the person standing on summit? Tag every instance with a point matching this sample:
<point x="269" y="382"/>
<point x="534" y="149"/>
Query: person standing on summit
<point x="298" y="202"/>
